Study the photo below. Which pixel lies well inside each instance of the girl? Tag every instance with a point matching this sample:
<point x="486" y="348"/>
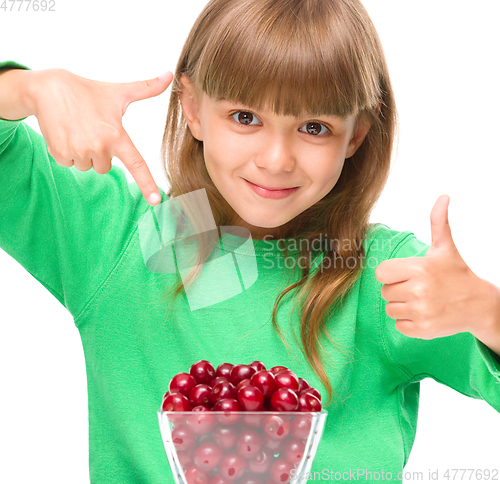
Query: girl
<point x="282" y="94"/>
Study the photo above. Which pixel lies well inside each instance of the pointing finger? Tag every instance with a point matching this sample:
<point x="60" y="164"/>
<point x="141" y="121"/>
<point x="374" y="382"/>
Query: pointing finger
<point x="135" y="164"/>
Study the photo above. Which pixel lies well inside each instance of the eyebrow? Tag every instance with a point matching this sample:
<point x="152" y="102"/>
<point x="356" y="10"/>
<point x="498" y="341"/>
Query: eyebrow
<point x="341" y="118"/>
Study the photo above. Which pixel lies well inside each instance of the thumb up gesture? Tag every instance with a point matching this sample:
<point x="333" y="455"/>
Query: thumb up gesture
<point x="438" y="295"/>
<point x="81" y="122"/>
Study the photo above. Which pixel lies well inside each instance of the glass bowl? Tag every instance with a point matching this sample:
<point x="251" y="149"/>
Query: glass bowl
<point x="241" y="447"/>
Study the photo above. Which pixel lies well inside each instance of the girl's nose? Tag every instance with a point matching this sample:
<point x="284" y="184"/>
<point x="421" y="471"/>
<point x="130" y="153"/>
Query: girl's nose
<point x="277" y="156"/>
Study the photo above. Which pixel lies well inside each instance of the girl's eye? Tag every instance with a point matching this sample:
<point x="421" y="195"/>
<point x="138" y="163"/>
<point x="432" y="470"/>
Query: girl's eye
<point x="314" y="128"/>
<point x="244" y="117"/>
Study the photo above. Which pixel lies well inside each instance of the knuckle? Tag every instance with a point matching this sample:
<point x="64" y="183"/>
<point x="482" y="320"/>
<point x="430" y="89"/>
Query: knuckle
<point x="418" y="290"/>
<point x="97" y="149"/>
<point x="147" y="83"/>
<point x="114" y="135"/>
<point x="421" y="269"/>
<point x="61" y="157"/>
<point x="79" y="154"/>
<point x="423" y="311"/>
<point x="421" y="290"/>
<point x="136" y="164"/>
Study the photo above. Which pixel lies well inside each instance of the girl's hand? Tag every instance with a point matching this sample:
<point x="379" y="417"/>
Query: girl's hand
<point x="438" y="295"/>
<point x="81" y="121"/>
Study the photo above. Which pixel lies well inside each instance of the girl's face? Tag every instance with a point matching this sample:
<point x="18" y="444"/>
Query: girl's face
<point x="242" y="145"/>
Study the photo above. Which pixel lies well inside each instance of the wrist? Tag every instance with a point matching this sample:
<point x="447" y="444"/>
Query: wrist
<point x="487" y="329"/>
<point x="16" y="100"/>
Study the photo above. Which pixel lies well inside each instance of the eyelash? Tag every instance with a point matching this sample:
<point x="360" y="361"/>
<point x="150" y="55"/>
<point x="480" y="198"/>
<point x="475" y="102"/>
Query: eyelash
<point x="253" y="114"/>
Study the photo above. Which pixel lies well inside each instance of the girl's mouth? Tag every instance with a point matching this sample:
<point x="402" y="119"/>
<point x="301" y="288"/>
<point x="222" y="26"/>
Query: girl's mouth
<point x="272" y="194"/>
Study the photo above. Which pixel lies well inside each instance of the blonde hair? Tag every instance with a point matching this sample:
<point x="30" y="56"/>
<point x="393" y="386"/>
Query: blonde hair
<point x="322" y="57"/>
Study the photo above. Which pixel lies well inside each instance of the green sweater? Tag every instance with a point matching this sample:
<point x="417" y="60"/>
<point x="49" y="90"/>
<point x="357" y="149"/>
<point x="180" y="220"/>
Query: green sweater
<point x="78" y="234"/>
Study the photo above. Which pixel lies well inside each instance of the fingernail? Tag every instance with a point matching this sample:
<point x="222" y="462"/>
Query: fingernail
<point x="164" y="76"/>
<point x="154" y="198"/>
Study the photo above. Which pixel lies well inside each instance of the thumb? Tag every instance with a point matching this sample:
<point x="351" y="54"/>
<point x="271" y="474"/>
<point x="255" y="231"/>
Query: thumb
<point x="440" y="226"/>
<point x="138" y="90"/>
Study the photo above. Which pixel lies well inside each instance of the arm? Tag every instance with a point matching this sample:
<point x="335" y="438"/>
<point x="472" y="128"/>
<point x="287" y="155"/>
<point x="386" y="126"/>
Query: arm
<point x="80" y="119"/>
<point x="460" y="361"/>
<point x="66" y="227"/>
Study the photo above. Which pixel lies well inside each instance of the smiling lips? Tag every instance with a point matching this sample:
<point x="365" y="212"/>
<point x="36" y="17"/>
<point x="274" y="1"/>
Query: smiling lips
<point x="272" y="189"/>
<point x="275" y="193"/>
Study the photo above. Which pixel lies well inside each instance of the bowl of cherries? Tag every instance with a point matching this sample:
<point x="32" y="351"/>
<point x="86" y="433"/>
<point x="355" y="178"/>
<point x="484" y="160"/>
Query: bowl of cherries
<point x="240" y="424"/>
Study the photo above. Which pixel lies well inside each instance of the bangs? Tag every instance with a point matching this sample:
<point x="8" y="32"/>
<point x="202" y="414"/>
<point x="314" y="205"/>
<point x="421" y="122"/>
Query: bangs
<point x="291" y="57"/>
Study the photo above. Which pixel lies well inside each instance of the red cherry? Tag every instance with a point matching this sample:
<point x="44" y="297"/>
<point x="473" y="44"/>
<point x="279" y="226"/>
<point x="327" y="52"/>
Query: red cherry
<point x="287" y="379"/>
<point x="176" y="402"/>
<point x="270" y="444"/>
<point x="218" y="379"/>
<point x="225" y="437"/>
<point x="240" y="372"/>
<point x="218" y="479"/>
<point x="185" y="458"/>
<point x="228" y="406"/>
<point x="258" y="365"/>
<point x="221" y="390"/>
<point x="207" y="456"/>
<point x="182" y="383"/>
<point x="309" y="403"/>
<point x="303" y="385"/>
<point x="194" y="475"/>
<point x="293" y="450"/>
<point x="200" y="408"/>
<point x="202" y="371"/>
<point x="301" y="426"/>
<point x="232" y="466"/>
<point x="201" y="421"/>
<point x="200" y="395"/>
<point x="261" y="463"/>
<point x="243" y="383"/>
<point x="254" y="420"/>
<point x="265" y="381"/>
<point x="250" y="398"/>
<point x="276" y="427"/>
<point x="280" y="471"/>
<point x="313" y="391"/>
<point x="204" y="438"/>
<point x="249" y="443"/>
<point x="224" y="370"/>
<point x="277" y="369"/>
<point x="183" y="438"/>
<point x="284" y="400"/>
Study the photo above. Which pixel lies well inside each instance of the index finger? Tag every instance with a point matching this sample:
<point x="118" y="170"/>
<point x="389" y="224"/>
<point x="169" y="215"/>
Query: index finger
<point x="132" y="159"/>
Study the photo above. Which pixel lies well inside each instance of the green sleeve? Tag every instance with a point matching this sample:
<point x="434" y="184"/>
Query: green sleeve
<point x="66" y="227"/>
<point x="460" y="361"/>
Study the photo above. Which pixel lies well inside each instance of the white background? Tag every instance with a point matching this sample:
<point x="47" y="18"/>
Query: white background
<point x="443" y="60"/>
